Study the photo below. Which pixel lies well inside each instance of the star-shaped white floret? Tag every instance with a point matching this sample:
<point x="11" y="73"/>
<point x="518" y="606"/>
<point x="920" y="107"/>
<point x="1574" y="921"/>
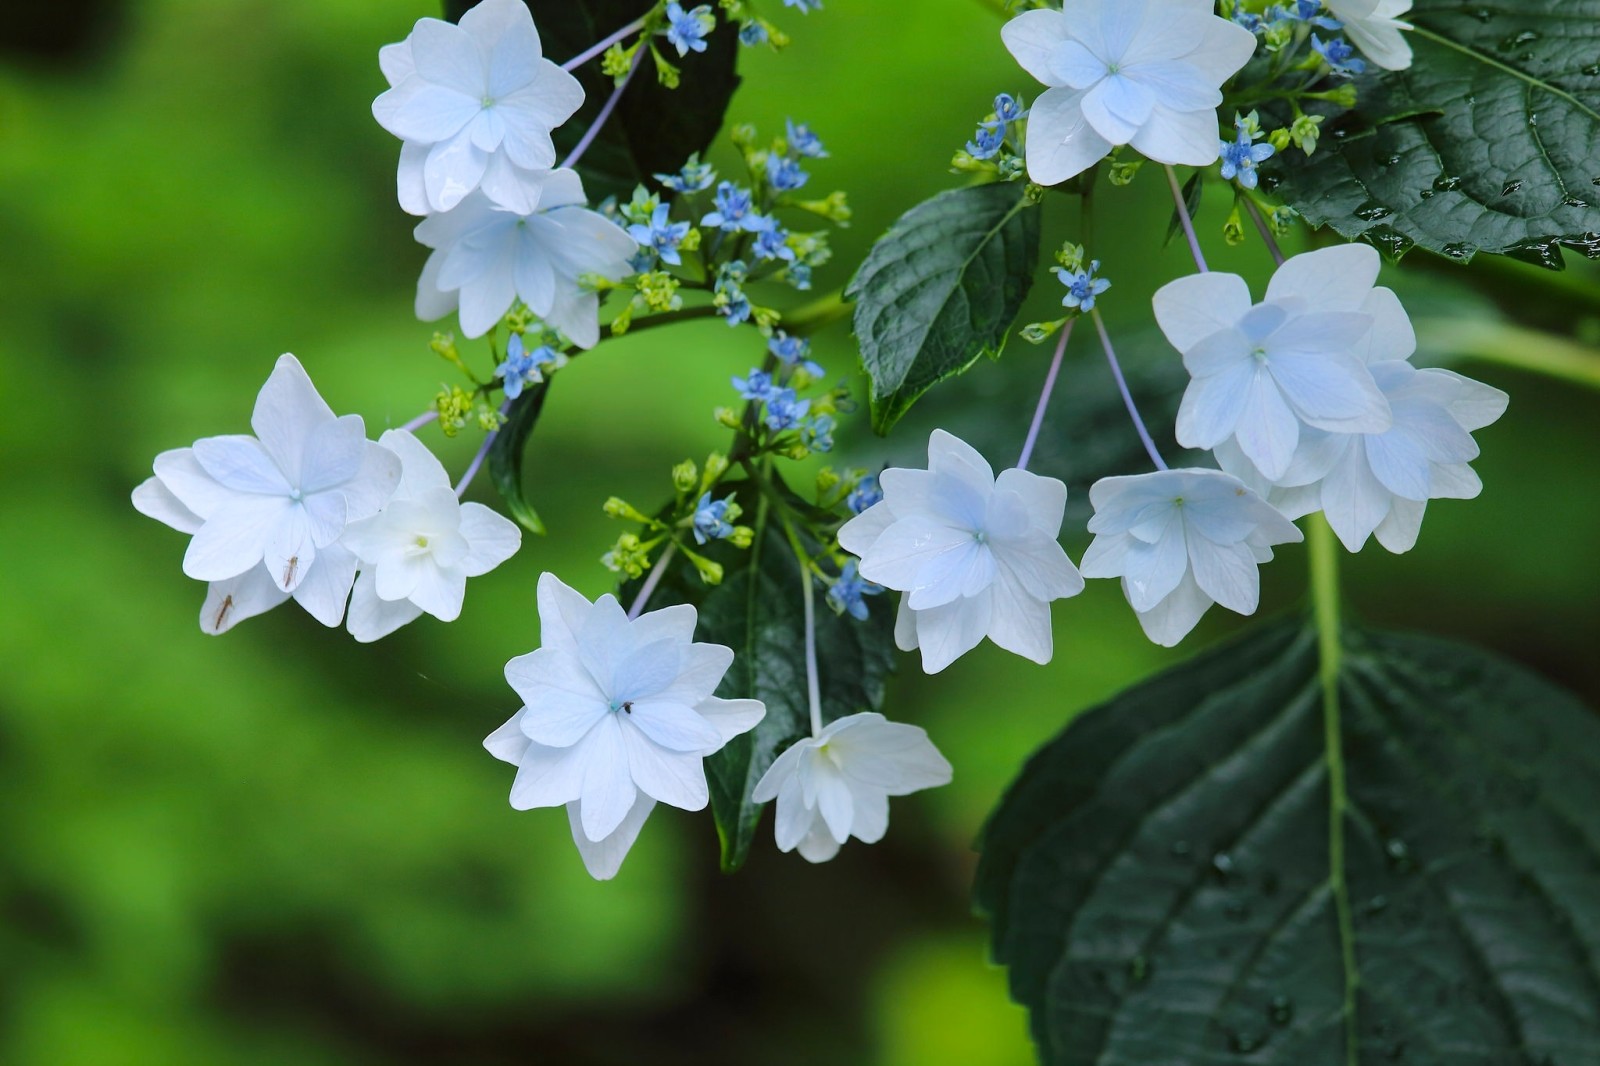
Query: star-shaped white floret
<point x="486" y="258"/>
<point x="417" y="553"/>
<point x="267" y="512"/>
<point x="475" y="104"/>
<point x="974" y="554"/>
<point x="615" y="709"/>
<point x="1146" y="73"/>
<point x="1181" y="540"/>
<point x="1375" y="28"/>
<point x="1262" y="372"/>
<point x="837" y="785"/>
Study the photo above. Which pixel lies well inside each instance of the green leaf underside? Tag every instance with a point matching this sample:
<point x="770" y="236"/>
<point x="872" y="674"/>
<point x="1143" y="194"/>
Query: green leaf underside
<point x="508" y="450"/>
<point x="757" y="611"/>
<point x="1490" y="142"/>
<point x="1159" y="878"/>
<point x="654" y="128"/>
<point x="941" y="289"/>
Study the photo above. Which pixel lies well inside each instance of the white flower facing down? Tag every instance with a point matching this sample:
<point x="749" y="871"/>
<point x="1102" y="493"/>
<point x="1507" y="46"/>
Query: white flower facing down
<point x="975" y="555"/>
<point x="474" y="104"/>
<point x="1181" y="540"/>
<point x="267" y="512"/>
<point x="1146" y="73"/>
<point x="486" y="258"/>
<point x="617" y="714"/>
<point x="417" y="553"/>
<point x="1262" y="372"/>
<point x="1374" y="26"/>
<point x="837" y="785"/>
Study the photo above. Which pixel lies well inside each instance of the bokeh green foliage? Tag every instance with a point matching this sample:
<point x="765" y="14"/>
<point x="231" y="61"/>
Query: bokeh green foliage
<point x="280" y="846"/>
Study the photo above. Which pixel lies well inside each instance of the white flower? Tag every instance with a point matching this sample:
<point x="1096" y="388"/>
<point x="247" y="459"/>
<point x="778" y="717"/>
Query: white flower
<point x="1262" y="372"/>
<point x="837" y="785"/>
<point x="1374" y="26"/>
<point x="1379" y="483"/>
<point x="417" y="553"/>
<point x="1141" y="72"/>
<point x="474" y="104"/>
<point x="1182" y="540"/>
<point x="974" y="554"/>
<point x="266" y="512"/>
<point x="614" y="709"/>
<point x="486" y="258"/>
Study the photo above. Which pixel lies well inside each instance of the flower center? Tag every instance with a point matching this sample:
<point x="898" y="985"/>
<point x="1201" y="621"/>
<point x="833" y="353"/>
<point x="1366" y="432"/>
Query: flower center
<point x="1260" y="355"/>
<point x="422" y="541"/>
<point x="488" y="102"/>
<point x="626" y="706"/>
<point x="980" y="536"/>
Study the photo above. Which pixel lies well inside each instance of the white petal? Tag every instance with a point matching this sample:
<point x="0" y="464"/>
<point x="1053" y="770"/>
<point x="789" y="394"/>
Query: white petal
<point x="288" y="411"/>
<point x="1107" y="555"/>
<point x="675" y="624"/>
<point x="1118" y="107"/>
<point x="818" y="844"/>
<point x="673" y="778"/>
<point x="432" y="302"/>
<point x="1074" y="66"/>
<point x="372" y="618"/>
<point x="1032" y="38"/>
<point x="1398" y="531"/>
<point x="410" y="188"/>
<point x="905" y="627"/>
<point x="1193" y="308"/>
<point x="186" y="479"/>
<point x="396" y="63"/>
<point x="447" y="55"/>
<point x="1176" y="83"/>
<point x="858" y="535"/>
<point x="1040" y="567"/>
<point x="491" y="539"/>
<point x="1061" y="143"/>
<point x="1019" y="622"/>
<point x="1226" y="573"/>
<point x="232" y="601"/>
<point x="834" y="801"/>
<point x="1173" y="618"/>
<point x="290" y="551"/>
<point x="326" y="583"/>
<point x="673" y="726"/>
<point x="949" y="632"/>
<point x="1268" y="429"/>
<point x="508" y="743"/>
<point x="1188" y="138"/>
<point x="241" y="465"/>
<point x="1338" y="278"/>
<point x="1152" y="571"/>
<point x="234" y="538"/>
<point x="452" y="170"/>
<point x="603" y="858"/>
<point x="1222" y="51"/>
<point x="949" y="575"/>
<point x="871" y="813"/>
<point x="1331" y="392"/>
<point x="563" y="703"/>
<point x="793" y="818"/>
<point x="1381" y="41"/>
<point x="548" y="777"/>
<point x="563" y="611"/>
<point x="1045" y="497"/>
<point x="891" y="756"/>
<point x="438" y="591"/>
<point x="898" y="557"/>
<point x="154" y="500"/>
<point x="731" y="717"/>
<point x="608" y="785"/>
<point x="1392" y="336"/>
<point x="1212" y="406"/>
<point x="1353" y="500"/>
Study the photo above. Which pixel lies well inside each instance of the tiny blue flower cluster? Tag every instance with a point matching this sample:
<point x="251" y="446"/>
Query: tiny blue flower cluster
<point x="1241" y="155"/>
<point x="785" y="409"/>
<point x="711" y="520"/>
<point x="687" y="30"/>
<point x="522" y="368"/>
<point x="991" y="135"/>
<point x="847" y="592"/>
<point x="1083" y="287"/>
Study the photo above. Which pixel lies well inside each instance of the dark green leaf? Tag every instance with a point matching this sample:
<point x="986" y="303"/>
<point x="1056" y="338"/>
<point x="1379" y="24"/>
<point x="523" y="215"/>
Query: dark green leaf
<point x="1489" y="143"/>
<point x="1162" y="885"/>
<point x="940" y="289"/>
<point x="507" y="451"/>
<point x="654" y="128"/>
<point x="758" y="611"/>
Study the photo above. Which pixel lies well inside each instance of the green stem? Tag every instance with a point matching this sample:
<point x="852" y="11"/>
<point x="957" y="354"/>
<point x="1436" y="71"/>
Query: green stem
<point x="821" y="312"/>
<point x="1324" y="553"/>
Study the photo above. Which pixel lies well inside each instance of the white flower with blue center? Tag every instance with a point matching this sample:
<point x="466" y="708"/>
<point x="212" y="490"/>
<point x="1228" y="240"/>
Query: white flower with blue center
<point x="1146" y="73"/>
<point x="837" y="785"/>
<point x="975" y="555"/>
<point x="475" y="104"/>
<point x="618" y="714"/>
<point x="417" y="553"/>
<point x="267" y="512"/>
<point x="1263" y="372"/>
<point x="1181" y="540"/>
<point x="486" y="258"/>
<point x="1377" y="29"/>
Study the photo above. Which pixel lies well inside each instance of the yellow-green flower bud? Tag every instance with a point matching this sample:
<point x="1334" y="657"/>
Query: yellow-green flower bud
<point x="727" y="416"/>
<point x="716" y="466"/>
<point x="742" y="536"/>
<point x="1233" y="229"/>
<point x="685" y="477"/>
<point x="1122" y="172"/>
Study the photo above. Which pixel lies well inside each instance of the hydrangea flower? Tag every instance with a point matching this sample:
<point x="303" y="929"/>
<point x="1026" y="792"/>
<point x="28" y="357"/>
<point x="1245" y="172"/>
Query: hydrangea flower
<point x="802" y="141"/>
<point x="728" y="293"/>
<point x="618" y="713"/>
<point x="1311" y="11"/>
<point x="267" y="512"/>
<point x="772" y="242"/>
<point x="1083" y="287"/>
<point x="735" y="210"/>
<point x="687" y="30"/>
<point x="1338" y="54"/>
<point x="846" y="594"/>
<point x="417" y="553"/>
<point x="974" y="554"/>
<point x="756" y="385"/>
<point x="1262" y="372"/>
<point x="804" y="6"/>
<point x="475" y="104"/>
<point x="1240" y="156"/>
<point x="985" y="144"/>
<point x="694" y="177"/>
<point x="816" y="433"/>
<point x="793" y="352"/>
<point x="661" y="235"/>
<point x="1146" y="73"/>
<point x="752" y="34"/>
<point x="864" y="495"/>
<point x="1375" y="26"/>
<point x="711" y="520"/>
<point x="485" y="259"/>
<point x="785" y="410"/>
<point x="798" y="275"/>
<point x="1181" y="540"/>
<point x="837" y="785"/>
<point x="1008" y="108"/>
<point x="522" y="368"/>
<point x="785" y="174"/>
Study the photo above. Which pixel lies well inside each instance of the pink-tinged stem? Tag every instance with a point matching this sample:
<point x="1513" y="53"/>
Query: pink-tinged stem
<point x="583" y="57"/>
<point x="650" y="583"/>
<point x="1044" y="397"/>
<point x="422" y="420"/>
<point x="605" y="113"/>
<point x="1127" y="396"/>
<point x="1265" y="230"/>
<point x="483" y="453"/>
<point x="1186" y="221"/>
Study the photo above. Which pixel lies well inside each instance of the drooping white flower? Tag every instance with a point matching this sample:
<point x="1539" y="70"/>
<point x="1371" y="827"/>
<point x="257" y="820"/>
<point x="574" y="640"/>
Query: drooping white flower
<point x="1262" y="372"/>
<point x="615" y="709"/>
<point x="1379" y="483"/>
<point x="486" y="258"/>
<point x="974" y="554"/>
<point x="1375" y="27"/>
<point x="267" y="512"/>
<point x="837" y="785"/>
<point x="417" y="553"/>
<point x="474" y="104"/>
<point x="1146" y="73"/>
<point x="1181" y="540"/>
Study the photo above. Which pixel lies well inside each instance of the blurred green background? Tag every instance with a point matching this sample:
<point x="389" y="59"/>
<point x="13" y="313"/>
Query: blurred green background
<point x="280" y="846"/>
